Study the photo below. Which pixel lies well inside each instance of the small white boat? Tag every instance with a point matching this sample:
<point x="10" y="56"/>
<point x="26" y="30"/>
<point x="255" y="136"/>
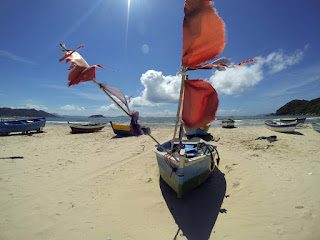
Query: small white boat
<point x="86" y="128"/>
<point x="291" y="120"/>
<point x="228" y="123"/>
<point x="279" y="126"/>
<point x="187" y="167"/>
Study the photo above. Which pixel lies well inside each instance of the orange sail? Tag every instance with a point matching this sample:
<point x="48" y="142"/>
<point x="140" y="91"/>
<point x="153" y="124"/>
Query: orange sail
<point x="200" y="103"/>
<point x="203" y="33"/>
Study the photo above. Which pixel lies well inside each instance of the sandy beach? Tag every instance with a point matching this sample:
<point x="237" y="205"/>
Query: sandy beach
<point x="58" y="185"/>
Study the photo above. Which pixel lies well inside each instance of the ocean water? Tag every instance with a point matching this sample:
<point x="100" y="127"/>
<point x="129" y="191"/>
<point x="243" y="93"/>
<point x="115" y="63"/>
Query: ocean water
<point x="167" y="122"/>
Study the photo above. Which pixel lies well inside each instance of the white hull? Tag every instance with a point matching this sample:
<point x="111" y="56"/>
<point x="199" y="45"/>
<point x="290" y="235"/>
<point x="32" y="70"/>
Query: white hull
<point x="280" y="127"/>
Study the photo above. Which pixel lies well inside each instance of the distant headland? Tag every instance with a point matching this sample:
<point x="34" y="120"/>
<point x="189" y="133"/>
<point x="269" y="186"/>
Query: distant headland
<point x="97" y="116"/>
<point x="300" y="107"/>
<point x="22" y="112"/>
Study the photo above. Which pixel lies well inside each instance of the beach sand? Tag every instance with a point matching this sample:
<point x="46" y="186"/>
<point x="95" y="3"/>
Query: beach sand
<point x="98" y="186"/>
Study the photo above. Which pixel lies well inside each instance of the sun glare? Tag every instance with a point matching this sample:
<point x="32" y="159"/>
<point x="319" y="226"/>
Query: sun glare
<point x="127" y="29"/>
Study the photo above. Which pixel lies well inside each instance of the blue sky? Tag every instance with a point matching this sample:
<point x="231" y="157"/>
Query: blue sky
<point x="142" y="41"/>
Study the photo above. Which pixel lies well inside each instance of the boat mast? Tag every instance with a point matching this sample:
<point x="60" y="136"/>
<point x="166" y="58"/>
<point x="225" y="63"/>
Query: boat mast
<point x="183" y="78"/>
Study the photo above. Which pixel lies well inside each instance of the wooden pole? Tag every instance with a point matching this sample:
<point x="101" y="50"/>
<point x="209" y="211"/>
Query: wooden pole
<point x="64" y="48"/>
<point x="179" y="105"/>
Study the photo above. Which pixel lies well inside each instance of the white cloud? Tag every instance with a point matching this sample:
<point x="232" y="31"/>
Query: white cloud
<point x="72" y="108"/>
<point x="235" y="81"/>
<point x="145" y="49"/>
<point x="278" y="61"/>
<point x="158" y="89"/>
<point x="37" y="107"/>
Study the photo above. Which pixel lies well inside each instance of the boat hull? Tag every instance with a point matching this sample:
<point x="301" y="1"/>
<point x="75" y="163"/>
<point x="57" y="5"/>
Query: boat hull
<point x="86" y="128"/>
<point x="280" y="127"/>
<point x="229" y="123"/>
<point x="183" y="179"/>
<point x="197" y="132"/>
<point x="292" y="120"/>
<point x="120" y="129"/>
<point x="316" y="127"/>
<point x="24" y="126"/>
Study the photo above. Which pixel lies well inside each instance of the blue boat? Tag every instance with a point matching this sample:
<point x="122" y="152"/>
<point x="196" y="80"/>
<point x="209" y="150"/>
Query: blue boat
<point x="197" y="132"/>
<point x="24" y="126"/>
<point x="187" y="167"/>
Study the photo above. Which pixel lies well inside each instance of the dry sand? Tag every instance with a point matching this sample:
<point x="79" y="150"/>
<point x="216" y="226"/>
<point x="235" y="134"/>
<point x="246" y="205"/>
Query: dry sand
<point x="97" y="186"/>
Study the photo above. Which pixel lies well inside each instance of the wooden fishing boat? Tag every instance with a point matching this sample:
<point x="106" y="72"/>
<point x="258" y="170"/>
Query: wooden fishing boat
<point x="202" y="131"/>
<point x="187" y="167"/>
<point x="316" y="127"/>
<point x="228" y="123"/>
<point x="24" y="126"/>
<point x="86" y="128"/>
<point x="120" y="129"/>
<point x="278" y="126"/>
<point x="290" y="120"/>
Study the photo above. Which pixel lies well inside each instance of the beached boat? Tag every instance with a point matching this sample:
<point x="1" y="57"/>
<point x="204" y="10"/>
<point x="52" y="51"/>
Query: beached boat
<point x="202" y="131"/>
<point x="290" y="120"/>
<point x="228" y="123"/>
<point x="184" y="164"/>
<point x="316" y="126"/>
<point x="121" y="129"/>
<point x="86" y="128"/>
<point x="278" y="126"/>
<point x="187" y="167"/>
<point x="24" y="126"/>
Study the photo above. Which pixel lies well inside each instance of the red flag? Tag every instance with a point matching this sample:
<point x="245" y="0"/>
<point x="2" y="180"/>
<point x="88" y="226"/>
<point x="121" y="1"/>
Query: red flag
<point x="203" y="33"/>
<point x="200" y="103"/>
<point x="80" y="69"/>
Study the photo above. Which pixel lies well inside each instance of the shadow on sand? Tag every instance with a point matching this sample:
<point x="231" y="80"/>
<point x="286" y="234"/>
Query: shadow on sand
<point x="196" y="212"/>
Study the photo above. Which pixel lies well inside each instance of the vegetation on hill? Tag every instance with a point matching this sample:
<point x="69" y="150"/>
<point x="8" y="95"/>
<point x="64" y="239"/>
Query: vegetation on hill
<point x="300" y="107"/>
<point x="9" y="112"/>
<point x="97" y="116"/>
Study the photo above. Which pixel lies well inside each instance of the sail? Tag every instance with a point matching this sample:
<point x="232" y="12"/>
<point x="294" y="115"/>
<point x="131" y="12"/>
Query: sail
<point x="200" y="103"/>
<point x="80" y="69"/>
<point x="203" y="33"/>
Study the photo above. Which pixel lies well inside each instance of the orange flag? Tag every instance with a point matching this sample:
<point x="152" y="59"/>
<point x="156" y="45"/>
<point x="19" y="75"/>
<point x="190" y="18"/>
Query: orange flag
<point x="200" y="103"/>
<point x="203" y="33"/>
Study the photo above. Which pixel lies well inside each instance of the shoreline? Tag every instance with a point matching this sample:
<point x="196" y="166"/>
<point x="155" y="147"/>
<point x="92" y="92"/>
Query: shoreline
<point x="98" y="186"/>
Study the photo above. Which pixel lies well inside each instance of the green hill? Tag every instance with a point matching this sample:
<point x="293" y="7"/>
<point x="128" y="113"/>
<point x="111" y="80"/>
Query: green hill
<point x="300" y="107"/>
<point x="21" y="112"/>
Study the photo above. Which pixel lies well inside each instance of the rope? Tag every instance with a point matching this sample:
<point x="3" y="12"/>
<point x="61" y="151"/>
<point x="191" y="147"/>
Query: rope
<point x="167" y="158"/>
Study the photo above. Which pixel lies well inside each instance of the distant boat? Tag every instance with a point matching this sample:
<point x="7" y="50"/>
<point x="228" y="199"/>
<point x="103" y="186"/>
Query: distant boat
<point x="121" y="129"/>
<point x="24" y="126"/>
<point x="316" y="127"/>
<point x="86" y="128"/>
<point x="278" y="126"/>
<point x="197" y="132"/>
<point x="289" y="120"/>
<point x="187" y="168"/>
<point x="228" y="123"/>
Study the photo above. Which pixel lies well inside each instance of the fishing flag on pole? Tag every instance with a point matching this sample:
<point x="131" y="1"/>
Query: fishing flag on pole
<point x="203" y="33"/>
<point x="200" y="103"/>
<point x="80" y="69"/>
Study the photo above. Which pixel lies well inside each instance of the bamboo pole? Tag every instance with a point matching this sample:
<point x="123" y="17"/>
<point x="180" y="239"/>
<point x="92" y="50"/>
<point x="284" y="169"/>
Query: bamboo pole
<point x="184" y="71"/>
<point x="64" y="48"/>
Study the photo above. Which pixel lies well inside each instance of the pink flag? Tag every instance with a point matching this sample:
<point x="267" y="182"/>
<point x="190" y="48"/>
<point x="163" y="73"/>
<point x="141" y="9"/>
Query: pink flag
<point x="80" y="69"/>
<point x="200" y="103"/>
<point x="203" y="33"/>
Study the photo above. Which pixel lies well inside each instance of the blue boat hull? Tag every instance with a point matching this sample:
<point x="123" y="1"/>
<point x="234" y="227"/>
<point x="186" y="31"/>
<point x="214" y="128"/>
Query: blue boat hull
<point x="25" y="125"/>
